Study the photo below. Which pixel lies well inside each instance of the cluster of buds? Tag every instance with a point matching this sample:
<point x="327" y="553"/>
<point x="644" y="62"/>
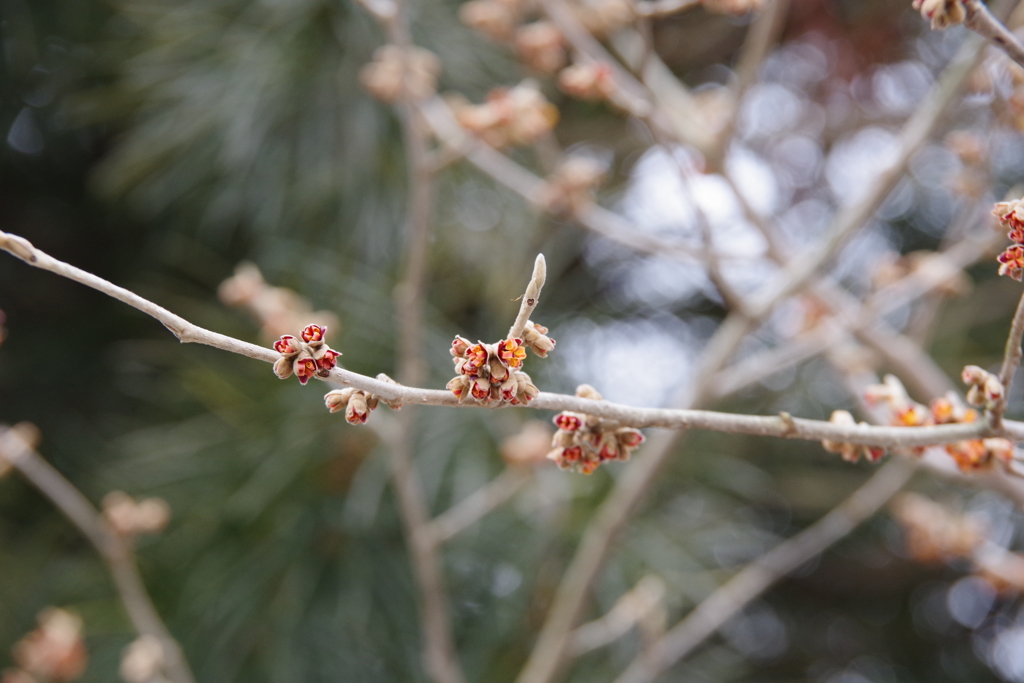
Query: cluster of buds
<point x="492" y="372"/>
<point x="942" y="13"/>
<point x="733" y="7"/>
<point x="143" y="660"/>
<point x="541" y="46"/>
<point x="1011" y="216"/>
<point x="593" y="81"/>
<point x="496" y="19"/>
<point x="583" y="442"/>
<point x="510" y="116"/>
<point x="570" y="189"/>
<point x="971" y="455"/>
<point x="851" y="452"/>
<point x="356" y="403"/>
<point x="306" y="358"/>
<point x="53" y="653"/>
<point x="128" y="518"/>
<point x="934" y="534"/>
<point x="985" y="388"/>
<point x="277" y="309"/>
<point x="399" y="74"/>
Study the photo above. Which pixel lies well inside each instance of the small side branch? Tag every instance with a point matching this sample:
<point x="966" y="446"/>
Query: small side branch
<point x="530" y="298"/>
<point x="754" y="579"/>
<point x="981" y="21"/>
<point x="118" y="556"/>
<point x="471" y="510"/>
<point x="1011" y="361"/>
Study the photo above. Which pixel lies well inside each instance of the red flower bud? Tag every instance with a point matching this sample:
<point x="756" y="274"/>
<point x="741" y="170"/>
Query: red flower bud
<point x="568" y="422"/>
<point x="287" y="345"/>
<point x="313" y="333"/>
<point x="328" y="360"/>
<point x="304" y="369"/>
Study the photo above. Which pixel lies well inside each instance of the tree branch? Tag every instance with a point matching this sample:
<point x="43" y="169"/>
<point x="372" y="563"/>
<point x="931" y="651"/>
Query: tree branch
<point x="472" y="509"/>
<point x="117" y="554"/>
<point x="757" y="577"/>
<point x="1011" y="361"/>
<point x="677" y="418"/>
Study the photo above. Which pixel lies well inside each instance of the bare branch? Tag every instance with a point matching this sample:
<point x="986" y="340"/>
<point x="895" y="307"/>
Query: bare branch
<point x="1011" y="361"/>
<point x="730" y="599"/>
<point x="631" y="609"/>
<point x="117" y="555"/>
<point x="678" y="418"/>
<point x="530" y="298"/>
<point x="981" y="21"/>
<point x="471" y="510"/>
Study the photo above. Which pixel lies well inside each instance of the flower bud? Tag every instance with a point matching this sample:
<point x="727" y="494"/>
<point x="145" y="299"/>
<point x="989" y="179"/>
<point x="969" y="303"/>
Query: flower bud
<point x="55" y="651"/>
<point x="356" y="412"/>
<point x="458" y="385"/>
<point x="493" y="18"/>
<point x="587" y="391"/>
<point x="143" y="660"/>
<point x="629" y="437"/>
<point x="541" y="46"/>
<point x="287" y="345"/>
<point x="460" y="346"/>
<point x="326" y="358"/>
<point x="313" y="333"/>
<point x="942" y="13"/>
<point x="398" y="73"/>
<point x="305" y="368"/>
<point x="1011" y="262"/>
<point x="338" y="399"/>
<point x="594" y="81"/>
<point x="569" y="422"/>
<point x="535" y="336"/>
<point x="480" y="388"/>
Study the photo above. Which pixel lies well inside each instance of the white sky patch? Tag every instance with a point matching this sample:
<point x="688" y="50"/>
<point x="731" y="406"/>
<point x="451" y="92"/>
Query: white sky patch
<point x="658" y="200"/>
<point x="856" y="160"/>
<point x="635" y="362"/>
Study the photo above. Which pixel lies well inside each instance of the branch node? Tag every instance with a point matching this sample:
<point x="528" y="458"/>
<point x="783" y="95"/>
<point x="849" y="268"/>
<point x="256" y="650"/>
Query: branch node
<point x="789" y="427"/>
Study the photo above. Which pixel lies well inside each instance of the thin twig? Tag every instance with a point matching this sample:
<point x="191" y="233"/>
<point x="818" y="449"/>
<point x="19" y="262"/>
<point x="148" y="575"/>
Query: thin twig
<point x="854" y="215"/>
<point x="473" y="508"/>
<point x="117" y="554"/>
<point x="1011" y="361"/>
<point x="671" y="418"/>
<point x="730" y="598"/>
<point x="981" y="21"/>
<point x="530" y="298"/>
<point x="763" y="34"/>
<point x="548" y="655"/>
<point x="632" y="608"/>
